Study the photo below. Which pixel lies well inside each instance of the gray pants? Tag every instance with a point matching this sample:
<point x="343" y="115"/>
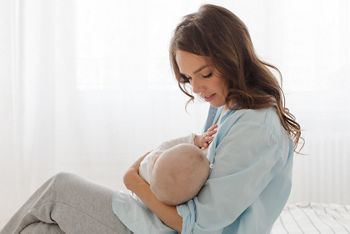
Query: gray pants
<point x="67" y="204"/>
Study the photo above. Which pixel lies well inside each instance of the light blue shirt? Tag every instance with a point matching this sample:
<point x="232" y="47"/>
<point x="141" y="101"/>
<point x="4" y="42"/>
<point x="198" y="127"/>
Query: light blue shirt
<point x="248" y="186"/>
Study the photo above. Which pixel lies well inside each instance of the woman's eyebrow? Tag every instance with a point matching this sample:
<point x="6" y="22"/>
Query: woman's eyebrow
<point x="201" y="68"/>
<point x="198" y="70"/>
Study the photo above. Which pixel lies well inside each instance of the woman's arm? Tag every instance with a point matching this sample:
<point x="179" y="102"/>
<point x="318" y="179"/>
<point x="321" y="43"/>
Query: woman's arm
<point x="134" y="182"/>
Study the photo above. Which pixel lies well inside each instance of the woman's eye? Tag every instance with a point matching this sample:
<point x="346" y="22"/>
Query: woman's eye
<point x="208" y="75"/>
<point x="184" y="79"/>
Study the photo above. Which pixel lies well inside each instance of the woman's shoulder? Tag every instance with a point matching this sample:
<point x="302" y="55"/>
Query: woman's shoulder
<point x="257" y="116"/>
<point x="264" y="117"/>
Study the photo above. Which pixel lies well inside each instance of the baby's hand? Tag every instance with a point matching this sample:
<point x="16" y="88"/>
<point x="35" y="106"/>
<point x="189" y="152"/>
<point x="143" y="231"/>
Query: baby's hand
<point x="203" y="141"/>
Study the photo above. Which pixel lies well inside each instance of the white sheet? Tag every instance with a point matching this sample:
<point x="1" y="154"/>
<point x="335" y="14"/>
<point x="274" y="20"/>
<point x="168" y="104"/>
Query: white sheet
<point x="313" y="218"/>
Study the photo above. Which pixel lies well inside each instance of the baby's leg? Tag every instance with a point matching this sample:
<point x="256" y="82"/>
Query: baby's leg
<point x="67" y="204"/>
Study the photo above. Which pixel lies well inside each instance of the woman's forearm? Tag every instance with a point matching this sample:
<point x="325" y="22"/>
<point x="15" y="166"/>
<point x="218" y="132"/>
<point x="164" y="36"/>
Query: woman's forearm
<point x="140" y="187"/>
<point x="166" y="213"/>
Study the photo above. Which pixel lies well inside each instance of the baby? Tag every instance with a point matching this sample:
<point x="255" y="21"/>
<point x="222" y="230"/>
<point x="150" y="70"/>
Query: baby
<point x="176" y="171"/>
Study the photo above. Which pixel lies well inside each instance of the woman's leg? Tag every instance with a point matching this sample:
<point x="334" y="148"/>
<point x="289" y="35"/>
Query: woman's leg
<point x="70" y="203"/>
<point x="42" y="228"/>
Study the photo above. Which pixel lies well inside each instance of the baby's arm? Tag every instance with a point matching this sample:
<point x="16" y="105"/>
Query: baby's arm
<point x="171" y="143"/>
<point x="203" y="141"/>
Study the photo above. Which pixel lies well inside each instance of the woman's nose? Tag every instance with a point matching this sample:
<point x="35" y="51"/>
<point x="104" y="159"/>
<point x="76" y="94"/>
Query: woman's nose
<point x="196" y="86"/>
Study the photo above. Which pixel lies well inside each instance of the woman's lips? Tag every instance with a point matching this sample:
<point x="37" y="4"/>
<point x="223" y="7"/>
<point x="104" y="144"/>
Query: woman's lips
<point x="209" y="98"/>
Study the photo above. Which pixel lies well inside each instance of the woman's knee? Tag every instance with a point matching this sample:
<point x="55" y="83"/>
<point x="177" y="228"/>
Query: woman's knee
<point x="62" y="178"/>
<point x="63" y="175"/>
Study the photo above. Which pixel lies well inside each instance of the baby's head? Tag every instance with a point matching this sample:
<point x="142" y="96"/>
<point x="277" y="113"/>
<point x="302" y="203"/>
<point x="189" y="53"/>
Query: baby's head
<point x="179" y="173"/>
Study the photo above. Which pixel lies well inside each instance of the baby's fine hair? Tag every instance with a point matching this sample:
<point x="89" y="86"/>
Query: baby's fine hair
<point x="179" y="173"/>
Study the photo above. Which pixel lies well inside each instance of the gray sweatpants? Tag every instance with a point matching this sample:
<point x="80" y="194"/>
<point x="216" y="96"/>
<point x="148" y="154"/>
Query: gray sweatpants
<point x="69" y="204"/>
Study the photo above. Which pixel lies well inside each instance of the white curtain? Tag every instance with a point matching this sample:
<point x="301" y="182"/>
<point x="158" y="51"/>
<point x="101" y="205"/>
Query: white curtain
<point x="86" y="87"/>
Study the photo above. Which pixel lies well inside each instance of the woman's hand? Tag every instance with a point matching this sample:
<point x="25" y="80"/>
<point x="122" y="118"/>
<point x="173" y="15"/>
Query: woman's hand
<point x="203" y="141"/>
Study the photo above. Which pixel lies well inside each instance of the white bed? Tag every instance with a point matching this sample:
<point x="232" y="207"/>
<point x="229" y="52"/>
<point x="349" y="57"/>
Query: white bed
<point x="312" y="217"/>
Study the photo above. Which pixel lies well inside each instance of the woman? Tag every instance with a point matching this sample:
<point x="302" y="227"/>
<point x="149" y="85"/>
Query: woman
<point x="251" y="156"/>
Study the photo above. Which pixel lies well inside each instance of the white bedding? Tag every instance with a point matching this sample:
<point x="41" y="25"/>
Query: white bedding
<point x="313" y="218"/>
<point x="310" y="218"/>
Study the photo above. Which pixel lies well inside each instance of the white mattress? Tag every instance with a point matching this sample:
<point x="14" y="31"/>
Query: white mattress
<point x="313" y="218"/>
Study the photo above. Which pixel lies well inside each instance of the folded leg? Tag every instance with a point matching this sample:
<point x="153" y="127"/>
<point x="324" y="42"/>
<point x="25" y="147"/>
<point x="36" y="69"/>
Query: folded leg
<point x="71" y="203"/>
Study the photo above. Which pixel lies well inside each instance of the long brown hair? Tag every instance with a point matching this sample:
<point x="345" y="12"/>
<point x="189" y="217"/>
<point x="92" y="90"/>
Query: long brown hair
<point x="218" y="34"/>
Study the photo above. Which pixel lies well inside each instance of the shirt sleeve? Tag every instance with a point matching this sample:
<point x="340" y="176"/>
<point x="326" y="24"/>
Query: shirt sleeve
<point x="245" y="161"/>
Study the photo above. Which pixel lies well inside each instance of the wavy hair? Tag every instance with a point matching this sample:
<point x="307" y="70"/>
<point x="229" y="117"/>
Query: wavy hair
<point x="218" y="34"/>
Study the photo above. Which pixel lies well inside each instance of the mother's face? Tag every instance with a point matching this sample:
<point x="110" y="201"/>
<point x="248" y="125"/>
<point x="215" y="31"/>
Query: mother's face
<point x="203" y="77"/>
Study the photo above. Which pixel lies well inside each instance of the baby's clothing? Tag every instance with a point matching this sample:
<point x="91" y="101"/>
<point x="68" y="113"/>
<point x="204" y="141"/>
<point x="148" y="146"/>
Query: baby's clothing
<point x="147" y="164"/>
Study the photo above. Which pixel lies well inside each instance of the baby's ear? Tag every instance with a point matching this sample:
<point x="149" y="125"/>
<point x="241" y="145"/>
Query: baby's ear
<point x="151" y="186"/>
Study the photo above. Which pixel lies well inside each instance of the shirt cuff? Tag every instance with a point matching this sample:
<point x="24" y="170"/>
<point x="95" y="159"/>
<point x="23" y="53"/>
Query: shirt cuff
<point x="188" y="213"/>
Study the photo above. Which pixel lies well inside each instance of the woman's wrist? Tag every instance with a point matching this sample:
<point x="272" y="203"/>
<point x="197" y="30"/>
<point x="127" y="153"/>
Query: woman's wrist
<point x="132" y="179"/>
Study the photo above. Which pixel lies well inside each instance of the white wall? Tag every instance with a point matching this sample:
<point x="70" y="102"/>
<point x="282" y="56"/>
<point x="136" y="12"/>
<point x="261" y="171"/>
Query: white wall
<point x="9" y="160"/>
<point x="86" y="73"/>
